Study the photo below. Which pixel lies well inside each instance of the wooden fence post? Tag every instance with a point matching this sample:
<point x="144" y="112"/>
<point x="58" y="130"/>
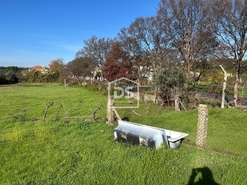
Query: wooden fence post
<point x="202" y="126"/>
<point x="110" y="110"/>
<point x="224" y="88"/>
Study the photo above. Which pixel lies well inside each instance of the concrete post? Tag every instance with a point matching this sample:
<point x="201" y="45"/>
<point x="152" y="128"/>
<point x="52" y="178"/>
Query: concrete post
<point x="202" y="126"/>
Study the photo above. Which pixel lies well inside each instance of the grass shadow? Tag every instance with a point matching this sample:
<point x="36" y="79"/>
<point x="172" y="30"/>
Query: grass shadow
<point x="202" y="176"/>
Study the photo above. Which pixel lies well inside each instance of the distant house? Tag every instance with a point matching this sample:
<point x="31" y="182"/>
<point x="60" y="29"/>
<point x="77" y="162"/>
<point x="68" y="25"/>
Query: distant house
<point x="97" y="73"/>
<point x="42" y="69"/>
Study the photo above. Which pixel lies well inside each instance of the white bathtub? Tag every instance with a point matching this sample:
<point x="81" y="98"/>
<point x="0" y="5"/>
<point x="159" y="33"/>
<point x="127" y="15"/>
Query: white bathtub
<point x="147" y="135"/>
<point x="174" y="138"/>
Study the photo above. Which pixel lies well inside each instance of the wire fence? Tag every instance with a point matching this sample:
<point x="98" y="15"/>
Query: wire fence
<point x="222" y="130"/>
<point x="217" y="129"/>
<point x="225" y="131"/>
<point x="227" y="127"/>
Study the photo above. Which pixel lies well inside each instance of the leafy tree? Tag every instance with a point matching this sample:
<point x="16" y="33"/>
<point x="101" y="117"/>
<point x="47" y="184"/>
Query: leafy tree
<point x="51" y="76"/>
<point x="11" y="77"/>
<point x="3" y="79"/>
<point x="117" y="64"/>
<point x="33" y="76"/>
<point x="11" y="74"/>
<point x="57" y="68"/>
<point x="15" y="69"/>
<point x="213" y="76"/>
<point x="170" y="82"/>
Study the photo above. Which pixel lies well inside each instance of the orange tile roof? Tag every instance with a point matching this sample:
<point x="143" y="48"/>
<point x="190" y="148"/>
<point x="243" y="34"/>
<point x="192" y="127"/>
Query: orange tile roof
<point x="38" y="67"/>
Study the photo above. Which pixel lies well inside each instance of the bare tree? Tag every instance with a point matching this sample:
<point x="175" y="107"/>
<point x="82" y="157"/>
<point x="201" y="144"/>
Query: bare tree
<point x="150" y="39"/>
<point x="231" y="18"/>
<point x="139" y="61"/>
<point x="188" y="26"/>
<point x="98" y="49"/>
<point x="147" y="44"/>
<point x="80" y="68"/>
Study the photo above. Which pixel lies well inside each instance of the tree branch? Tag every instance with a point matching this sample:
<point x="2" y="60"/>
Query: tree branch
<point x="56" y="118"/>
<point x="46" y="109"/>
<point x="94" y="112"/>
<point x="135" y="112"/>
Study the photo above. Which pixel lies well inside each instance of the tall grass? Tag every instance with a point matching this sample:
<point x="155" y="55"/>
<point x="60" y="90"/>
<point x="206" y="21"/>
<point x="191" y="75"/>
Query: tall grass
<point x="226" y="127"/>
<point x="83" y="152"/>
<point x="34" y="98"/>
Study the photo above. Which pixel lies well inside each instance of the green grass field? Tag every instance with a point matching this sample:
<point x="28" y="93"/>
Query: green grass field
<point x="38" y="151"/>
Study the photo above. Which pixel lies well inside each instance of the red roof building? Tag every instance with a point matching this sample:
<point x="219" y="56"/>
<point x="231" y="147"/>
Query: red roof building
<point x="39" y="68"/>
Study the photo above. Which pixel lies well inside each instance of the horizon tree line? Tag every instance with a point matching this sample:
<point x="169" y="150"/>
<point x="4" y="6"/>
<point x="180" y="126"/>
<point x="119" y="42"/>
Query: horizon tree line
<point x="192" y="35"/>
<point x="184" y="33"/>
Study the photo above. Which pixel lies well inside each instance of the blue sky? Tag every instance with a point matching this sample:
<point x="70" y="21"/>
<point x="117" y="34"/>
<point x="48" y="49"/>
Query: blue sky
<point x="34" y="32"/>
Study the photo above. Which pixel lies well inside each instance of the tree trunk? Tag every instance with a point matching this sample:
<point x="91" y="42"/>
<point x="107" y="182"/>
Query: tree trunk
<point x="236" y="90"/>
<point x="65" y="82"/>
<point x="156" y="95"/>
<point x="238" y="75"/>
<point x="187" y="69"/>
<point x="177" y="103"/>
